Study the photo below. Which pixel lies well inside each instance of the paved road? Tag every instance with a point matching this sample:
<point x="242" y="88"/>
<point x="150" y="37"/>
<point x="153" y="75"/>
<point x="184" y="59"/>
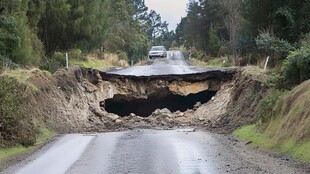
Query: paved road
<point x="151" y="151"/>
<point x="173" y="64"/>
<point x="148" y="152"/>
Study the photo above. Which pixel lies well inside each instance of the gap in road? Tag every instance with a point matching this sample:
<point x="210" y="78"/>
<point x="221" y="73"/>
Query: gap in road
<point x="145" y="107"/>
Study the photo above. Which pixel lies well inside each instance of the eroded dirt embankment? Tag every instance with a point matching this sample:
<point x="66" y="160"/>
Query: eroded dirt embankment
<point x="75" y="100"/>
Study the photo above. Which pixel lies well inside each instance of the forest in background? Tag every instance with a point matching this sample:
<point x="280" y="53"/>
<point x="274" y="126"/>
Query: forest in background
<point x="35" y="32"/>
<point x="245" y="28"/>
<point x="249" y="31"/>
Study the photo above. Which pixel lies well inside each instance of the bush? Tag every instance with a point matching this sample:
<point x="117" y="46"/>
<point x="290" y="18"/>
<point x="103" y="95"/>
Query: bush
<point x="296" y="68"/>
<point x="273" y="46"/>
<point x="15" y="127"/>
<point x="9" y="38"/>
<point x="278" y="81"/>
<point x="198" y="54"/>
<point x="76" y="54"/>
<point x="53" y="63"/>
<point x="122" y="55"/>
<point x="266" y="106"/>
<point x="7" y="63"/>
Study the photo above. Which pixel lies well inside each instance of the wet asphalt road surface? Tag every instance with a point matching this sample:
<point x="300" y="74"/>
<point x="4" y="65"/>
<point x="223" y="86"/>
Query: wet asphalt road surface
<point x="181" y="151"/>
<point x="173" y="64"/>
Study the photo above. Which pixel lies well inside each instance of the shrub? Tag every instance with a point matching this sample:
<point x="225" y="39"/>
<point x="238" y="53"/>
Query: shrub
<point x="15" y="127"/>
<point x="296" y="68"/>
<point x="122" y="55"/>
<point x="278" y="81"/>
<point x="53" y="63"/>
<point x="273" y="46"/>
<point x="9" y="38"/>
<point x="266" y="106"/>
<point x="7" y="63"/>
<point x="198" y="54"/>
<point x="76" y="54"/>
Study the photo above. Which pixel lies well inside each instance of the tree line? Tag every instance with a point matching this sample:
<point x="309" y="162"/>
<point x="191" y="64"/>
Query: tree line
<point x="31" y="31"/>
<point x="244" y="27"/>
<point x="249" y="31"/>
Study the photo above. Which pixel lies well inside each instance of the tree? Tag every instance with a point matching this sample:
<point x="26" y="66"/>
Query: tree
<point x="179" y="32"/>
<point x="44" y="27"/>
<point x="9" y="37"/>
<point x="197" y="24"/>
<point x="53" y="25"/>
<point x="213" y="46"/>
<point x="232" y="23"/>
<point x="296" y="67"/>
<point x="28" y="51"/>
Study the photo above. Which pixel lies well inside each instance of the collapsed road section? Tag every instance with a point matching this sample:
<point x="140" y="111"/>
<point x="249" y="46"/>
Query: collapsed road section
<point x="88" y="100"/>
<point x="142" y="95"/>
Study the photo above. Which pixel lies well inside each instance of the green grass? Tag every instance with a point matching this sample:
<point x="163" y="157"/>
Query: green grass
<point x="8" y="154"/>
<point x="213" y="62"/>
<point x="21" y="76"/>
<point x="91" y="63"/>
<point x="288" y="146"/>
<point x="249" y="133"/>
<point x="45" y="134"/>
<point x="197" y="62"/>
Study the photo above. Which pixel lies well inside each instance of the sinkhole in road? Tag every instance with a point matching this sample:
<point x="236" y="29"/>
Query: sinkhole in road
<point x="145" y="107"/>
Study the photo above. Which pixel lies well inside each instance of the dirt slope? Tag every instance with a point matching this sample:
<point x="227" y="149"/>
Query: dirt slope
<point x="237" y="102"/>
<point x="69" y="101"/>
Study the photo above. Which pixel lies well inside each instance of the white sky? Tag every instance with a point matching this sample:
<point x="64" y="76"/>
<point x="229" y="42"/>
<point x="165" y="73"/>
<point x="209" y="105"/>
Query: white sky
<point x="169" y="10"/>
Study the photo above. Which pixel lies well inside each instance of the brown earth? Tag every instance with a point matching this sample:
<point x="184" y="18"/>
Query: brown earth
<point x="71" y="101"/>
<point x="241" y="99"/>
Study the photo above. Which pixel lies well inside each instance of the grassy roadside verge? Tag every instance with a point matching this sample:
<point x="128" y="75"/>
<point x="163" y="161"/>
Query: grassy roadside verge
<point x="211" y="62"/>
<point x="92" y="63"/>
<point x="288" y="146"/>
<point x="9" y="156"/>
<point x="284" y="125"/>
<point x="21" y="132"/>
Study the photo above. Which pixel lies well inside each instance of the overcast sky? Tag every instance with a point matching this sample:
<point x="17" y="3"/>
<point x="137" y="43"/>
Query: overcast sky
<point x="169" y="10"/>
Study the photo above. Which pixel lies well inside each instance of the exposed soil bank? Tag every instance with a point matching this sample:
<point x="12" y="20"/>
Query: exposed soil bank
<point x="74" y="100"/>
<point x="237" y="103"/>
